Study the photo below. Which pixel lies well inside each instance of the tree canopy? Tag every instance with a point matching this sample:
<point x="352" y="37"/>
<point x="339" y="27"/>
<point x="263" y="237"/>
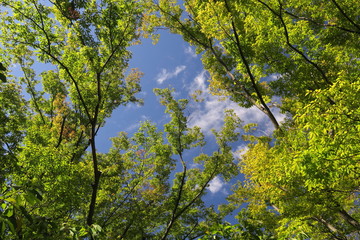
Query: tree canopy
<point x="300" y="182"/>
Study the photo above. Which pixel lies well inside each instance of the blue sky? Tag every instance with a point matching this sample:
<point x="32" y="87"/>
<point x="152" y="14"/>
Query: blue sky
<point x="172" y="63"/>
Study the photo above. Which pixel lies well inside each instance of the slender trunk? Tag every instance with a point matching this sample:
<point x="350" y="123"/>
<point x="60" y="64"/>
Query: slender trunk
<point x="353" y="222"/>
<point x="178" y="199"/>
<point x="97" y="175"/>
<point x="264" y="107"/>
<point x="331" y="228"/>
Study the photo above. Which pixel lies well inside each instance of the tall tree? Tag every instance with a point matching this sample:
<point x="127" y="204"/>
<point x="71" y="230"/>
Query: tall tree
<point x="303" y="181"/>
<point x="73" y="60"/>
<point x="140" y="196"/>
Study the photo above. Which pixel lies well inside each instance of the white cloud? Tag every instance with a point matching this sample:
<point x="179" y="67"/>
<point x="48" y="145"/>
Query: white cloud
<point x="249" y="115"/>
<point x="216" y="185"/>
<point x="210" y="113"/>
<point x="241" y="150"/>
<point x="271" y="77"/>
<point x="199" y="81"/>
<point x="190" y="51"/>
<point x="132" y="127"/>
<point x="165" y="74"/>
<point x="136" y="124"/>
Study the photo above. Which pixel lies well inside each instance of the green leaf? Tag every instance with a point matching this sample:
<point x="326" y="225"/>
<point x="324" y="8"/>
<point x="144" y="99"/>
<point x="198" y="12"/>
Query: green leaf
<point x="11" y="200"/>
<point x="9" y="211"/>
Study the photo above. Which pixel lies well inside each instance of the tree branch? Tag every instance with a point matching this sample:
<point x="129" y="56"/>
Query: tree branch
<point x="267" y="110"/>
<point x="279" y="15"/>
<point x="61" y="131"/>
<point x="345" y="15"/>
<point x="177" y="201"/>
<point x="321" y="24"/>
<point x="348" y="218"/>
<point x="331" y="228"/>
<point x="32" y="92"/>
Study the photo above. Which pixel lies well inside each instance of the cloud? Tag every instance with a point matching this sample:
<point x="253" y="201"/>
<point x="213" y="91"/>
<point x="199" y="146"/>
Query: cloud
<point x="165" y="74"/>
<point x="190" y="51"/>
<point x="199" y="82"/>
<point x="210" y="113"/>
<point x="134" y="126"/>
<point x="241" y="150"/>
<point x="271" y="77"/>
<point x="216" y="185"/>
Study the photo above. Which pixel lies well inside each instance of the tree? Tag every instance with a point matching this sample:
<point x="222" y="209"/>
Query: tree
<point x="145" y="200"/>
<point x="85" y="79"/>
<point x="56" y="184"/>
<point x="303" y="181"/>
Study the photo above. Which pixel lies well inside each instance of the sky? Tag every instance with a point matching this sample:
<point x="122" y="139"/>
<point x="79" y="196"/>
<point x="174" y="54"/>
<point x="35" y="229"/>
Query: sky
<point x="173" y="63"/>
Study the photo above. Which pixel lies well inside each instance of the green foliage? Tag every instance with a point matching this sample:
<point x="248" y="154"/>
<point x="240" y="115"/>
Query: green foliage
<point x="70" y="61"/>
<point x="245" y="230"/>
<point x="82" y="50"/>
